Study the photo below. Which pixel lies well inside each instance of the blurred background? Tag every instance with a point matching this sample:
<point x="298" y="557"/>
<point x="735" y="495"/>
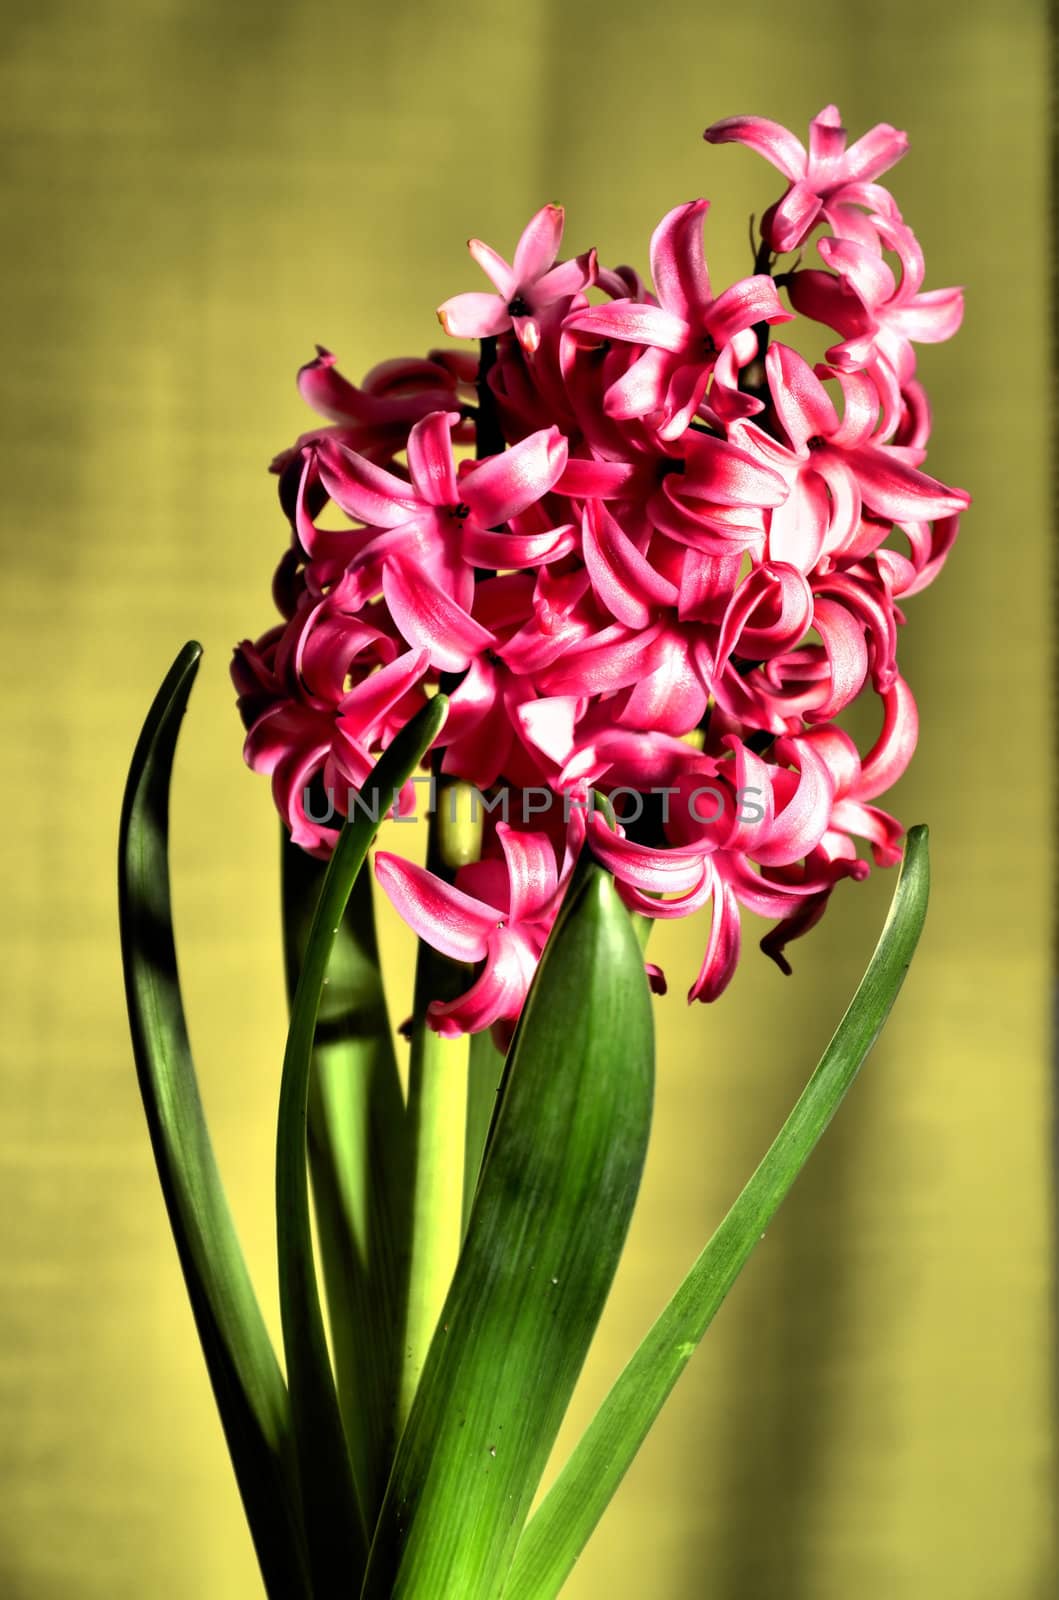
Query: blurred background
<point x="196" y="194"/>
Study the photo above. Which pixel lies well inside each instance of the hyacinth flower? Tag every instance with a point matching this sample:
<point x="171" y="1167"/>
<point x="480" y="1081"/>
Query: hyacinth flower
<point x="820" y="178"/>
<point x="575" y="614"/>
<point x="526" y="288"/>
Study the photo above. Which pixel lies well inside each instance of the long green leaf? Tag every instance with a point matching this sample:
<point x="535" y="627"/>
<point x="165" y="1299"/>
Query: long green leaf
<point x="358" y="1161"/>
<point x="336" y="1525"/>
<point x="547" y="1227"/>
<point x="560" y="1529"/>
<point x="247" y="1383"/>
<point x="484" y="1070"/>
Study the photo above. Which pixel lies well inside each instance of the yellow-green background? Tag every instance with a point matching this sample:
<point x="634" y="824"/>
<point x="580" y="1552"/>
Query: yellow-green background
<point x="193" y="194"/>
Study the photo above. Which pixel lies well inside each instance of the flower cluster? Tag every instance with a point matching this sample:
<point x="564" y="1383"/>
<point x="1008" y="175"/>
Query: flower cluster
<point x="649" y="551"/>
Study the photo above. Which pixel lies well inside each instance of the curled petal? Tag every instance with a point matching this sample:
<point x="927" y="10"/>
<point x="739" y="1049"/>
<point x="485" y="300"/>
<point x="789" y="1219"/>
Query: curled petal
<point x="893" y="749"/>
<point x="447" y="918"/>
<point x="776" y="143"/>
<point x="430" y="460"/>
<point x="531" y="870"/>
<point x="624" y="580"/>
<point x="742" y="305"/>
<point x="785" y="225"/>
<point x="498" y="994"/>
<point x="802" y="403"/>
<point x="678" y="261"/>
<point x="363" y="490"/>
<point x="722" y="950"/>
<point x="430" y="619"/>
<point x="632" y="323"/>
<point x="505" y="485"/>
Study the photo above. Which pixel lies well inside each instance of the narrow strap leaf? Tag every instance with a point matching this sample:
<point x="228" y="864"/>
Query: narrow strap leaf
<point x="335" y="1521"/>
<point x="546" y="1231"/>
<point x="484" y="1071"/>
<point x="245" y="1375"/>
<point x="358" y="1162"/>
<point x="561" y="1528"/>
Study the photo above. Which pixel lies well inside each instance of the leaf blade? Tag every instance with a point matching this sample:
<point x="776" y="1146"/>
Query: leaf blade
<point x="335" y="1520"/>
<point x="546" y="1230"/>
<point x="247" y="1384"/>
<point x="358" y="1161"/>
<point x="571" y="1510"/>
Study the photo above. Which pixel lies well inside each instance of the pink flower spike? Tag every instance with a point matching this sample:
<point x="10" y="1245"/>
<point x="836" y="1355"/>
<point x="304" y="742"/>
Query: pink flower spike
<point x="525" y="289"/>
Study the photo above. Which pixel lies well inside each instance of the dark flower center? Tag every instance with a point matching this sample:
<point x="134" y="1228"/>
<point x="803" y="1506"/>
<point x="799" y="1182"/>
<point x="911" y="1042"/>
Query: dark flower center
<point x="518" y="307"/>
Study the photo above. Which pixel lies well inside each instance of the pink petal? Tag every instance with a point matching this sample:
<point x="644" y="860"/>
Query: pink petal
<point x="875" y="152"/>
<point x="827" y="140"/>
<point x="625" y="581"/>
<point x="786" y="224"/>
<point x="474" y="316"/>
<point x="506" y="485"/>
<point x="641" y="389"/>
<point x="722" y="951"/>
<point x="743" y="304"/>
<point x="633" y="323"/>
<point x="596" y="480"/>
<point x="531" y="869"/>
<point x="678" y="261"/>
<point x="800" y="826"/>
<point x="539" y="245"/>
<point x="367" y="703"/>
<point x="799" y="527"/>
<point x="670" y="698"/>
<point x="430" y="619"/>
<point x="930" y="317"/>
<point x="363" y="490"/>
<point x="497" y="995"/>
<point x="683" y="398"/>
<point x="893" y="749"/>
<point x="727" y="476"/>
<point x="866" y="273"/>
<point x="659" y="871"/>
<point x="430" y="458"/>
<point x="328" y="393"/>
<point x="847" y="655"/>
<point x="495" y="268"/>
<point x="483" y="548"/>
<point x="802" y="403"/>
<point x="447" y="918"/>
<point x="776" y="143"/>
<point x="893" y="489"/>
<point x="565" y="280"/>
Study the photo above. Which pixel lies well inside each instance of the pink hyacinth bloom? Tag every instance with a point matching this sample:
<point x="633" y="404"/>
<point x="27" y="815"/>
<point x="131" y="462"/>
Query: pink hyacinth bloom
<point x="688" y="335"/>
<point x="500" y="912"/>
<point x="817" y="175"/>
<point x="375" y="417"/>
<point x="834" y="468"/>
<point x="526" y="287"/>
<point x="878" y="318"/>
<point x="431" y="533"/>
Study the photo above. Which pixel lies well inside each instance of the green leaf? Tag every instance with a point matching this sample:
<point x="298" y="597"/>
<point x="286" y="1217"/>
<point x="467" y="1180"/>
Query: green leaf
<point x="484" y="1071"/>
<point x="562" y="1526"/>
<point x="247" y="1383"/>
<point x="358" y="1161"/>
<point x="335" y="1520"/>
<point x="547" y="1227"/>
